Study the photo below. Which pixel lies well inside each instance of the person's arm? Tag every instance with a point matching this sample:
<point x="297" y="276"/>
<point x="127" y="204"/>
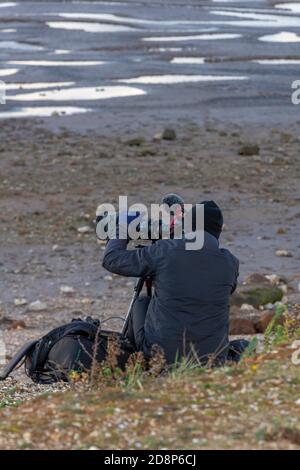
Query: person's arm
<point x="133" y="263"/>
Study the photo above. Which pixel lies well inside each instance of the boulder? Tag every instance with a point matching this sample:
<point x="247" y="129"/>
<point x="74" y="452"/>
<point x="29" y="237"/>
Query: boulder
<point x="169" y="134"/>
<point x="265" y="318"/>
<point x="241" y="326"/>
<point x="256" y="278"/>
<point x="249" y="149"/>
<point x="256" y="295"/>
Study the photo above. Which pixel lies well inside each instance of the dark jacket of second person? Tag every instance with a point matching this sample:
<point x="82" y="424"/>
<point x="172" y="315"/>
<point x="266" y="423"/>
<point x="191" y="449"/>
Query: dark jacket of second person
<point x="189" y="312"/>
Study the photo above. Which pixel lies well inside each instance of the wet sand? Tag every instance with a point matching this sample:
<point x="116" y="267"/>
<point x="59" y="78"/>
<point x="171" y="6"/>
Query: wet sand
<point x="137" y="40"/>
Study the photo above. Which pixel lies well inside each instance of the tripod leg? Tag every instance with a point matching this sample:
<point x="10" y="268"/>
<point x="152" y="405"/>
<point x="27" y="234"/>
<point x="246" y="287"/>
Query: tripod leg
<point x="137" y="290"/>
<point x="135" y="326"/>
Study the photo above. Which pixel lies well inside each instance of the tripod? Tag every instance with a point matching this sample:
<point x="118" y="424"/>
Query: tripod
<point x="136" y="292"/>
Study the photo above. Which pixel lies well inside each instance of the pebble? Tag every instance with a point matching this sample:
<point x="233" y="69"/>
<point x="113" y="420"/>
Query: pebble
<point x="20" y="302"/>
<point x="269" y="306"/>
<point x="249" y="150"/>
<point x="67" y="290"/>
<point x="273" y="278"/>
<point x="283" y="288"/>
<point x="247" y="307"/>
<point x="284" y="253"/>
<point x="84" y="229"/>
<point x="108" y="278"/>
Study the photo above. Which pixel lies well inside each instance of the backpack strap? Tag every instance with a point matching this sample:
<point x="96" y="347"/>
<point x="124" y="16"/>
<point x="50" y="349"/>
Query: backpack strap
<point x="22" y="352"/>
<point x="86" y="328"/>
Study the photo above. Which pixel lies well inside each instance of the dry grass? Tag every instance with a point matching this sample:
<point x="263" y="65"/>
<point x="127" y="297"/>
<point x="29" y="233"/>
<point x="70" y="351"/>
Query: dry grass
<point x="253" y="404"/>
<point x="250" y="405"/>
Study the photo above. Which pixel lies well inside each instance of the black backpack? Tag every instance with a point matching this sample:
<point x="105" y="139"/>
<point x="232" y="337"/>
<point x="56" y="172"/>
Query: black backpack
<point x="70" y="347"/>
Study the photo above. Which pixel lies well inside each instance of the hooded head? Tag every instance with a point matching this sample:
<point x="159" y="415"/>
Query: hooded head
<point x="213" y="218"/>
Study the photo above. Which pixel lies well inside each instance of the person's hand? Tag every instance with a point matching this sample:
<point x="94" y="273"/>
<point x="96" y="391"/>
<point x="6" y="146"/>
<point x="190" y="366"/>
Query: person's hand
<point x="124" y="219"/>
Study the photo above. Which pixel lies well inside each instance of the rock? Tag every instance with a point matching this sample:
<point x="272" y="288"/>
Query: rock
<point x="283" y="288"/>
<point x="284" y="253"/>
<point x="108" y="278"/>
<point x="281" y="231"/>
<point x="256" y="278"/>
<point x="135" y="142"/>
<point x="292" y="298"/>
<point x="247" y="312"/>
<point x="256" y="295"/>
<point x="20" y="302"/>
<point x="273" y="279"/>
<point x="17" y="325"/>
<point x="84" y="229"/>
<point x="147" y="152"/>
<point x="37" y="306"/>
<point x="266" y="317"/>
<point x="285" y="137"/>
<point x="268" y="306"/>
<point x="67" y="290"/>
<point x="249" y="149"/>
<point x="4" y="320"/>
<point x="235" y="311"/>
<point x="247" y="308"/>
<point x="169" y="134"/>
<point x="241" y="326"/>
<point x="58" y="249"/>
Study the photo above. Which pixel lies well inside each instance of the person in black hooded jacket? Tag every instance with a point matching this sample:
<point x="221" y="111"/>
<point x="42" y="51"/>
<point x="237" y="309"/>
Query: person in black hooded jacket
<point x="188" y="314"/>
